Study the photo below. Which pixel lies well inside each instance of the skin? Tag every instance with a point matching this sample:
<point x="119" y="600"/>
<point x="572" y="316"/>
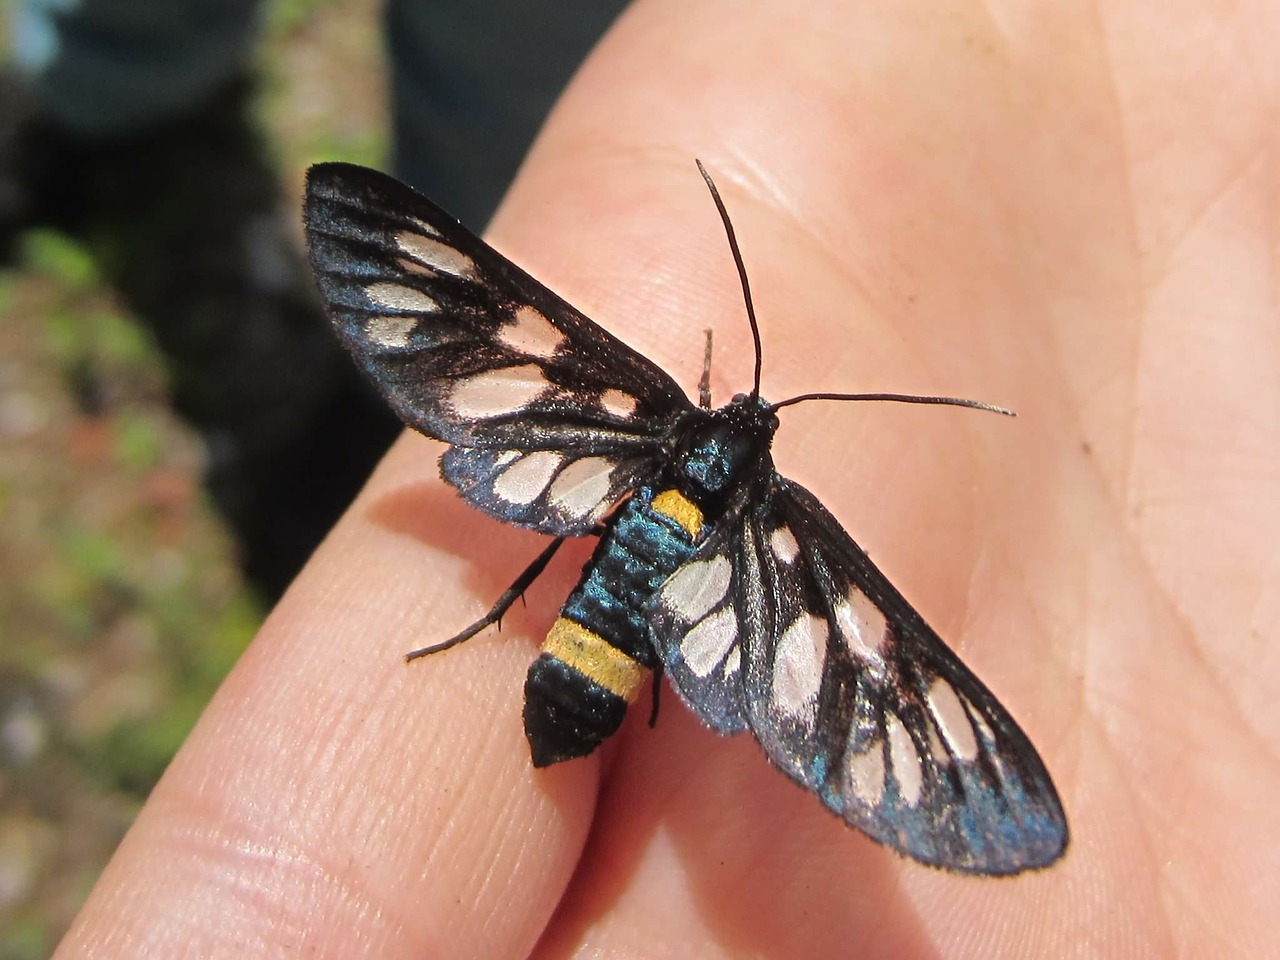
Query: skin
<point x="1067" y="210"/>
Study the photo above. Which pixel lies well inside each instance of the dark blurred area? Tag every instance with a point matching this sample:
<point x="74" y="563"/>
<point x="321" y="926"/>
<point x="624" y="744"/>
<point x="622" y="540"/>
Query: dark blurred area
<point x="129" y="124"/>
<point x="186" y="216"/>
<point x="162" y="349"/>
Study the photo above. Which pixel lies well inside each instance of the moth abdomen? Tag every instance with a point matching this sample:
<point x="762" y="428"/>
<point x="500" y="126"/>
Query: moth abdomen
<point x="598" y="652"/>
<point x="567" y="714"/>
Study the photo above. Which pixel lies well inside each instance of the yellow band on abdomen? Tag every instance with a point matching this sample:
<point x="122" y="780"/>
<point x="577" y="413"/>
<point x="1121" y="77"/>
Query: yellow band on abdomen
<point x="674" y="504"/>
<point x="593" y="655"/>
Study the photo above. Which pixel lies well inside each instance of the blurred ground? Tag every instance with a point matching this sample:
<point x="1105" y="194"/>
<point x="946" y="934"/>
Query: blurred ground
<point x="121" y="606"/>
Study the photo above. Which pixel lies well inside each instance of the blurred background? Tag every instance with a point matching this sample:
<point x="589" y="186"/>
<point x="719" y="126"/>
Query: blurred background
<point x="178" y="428"/>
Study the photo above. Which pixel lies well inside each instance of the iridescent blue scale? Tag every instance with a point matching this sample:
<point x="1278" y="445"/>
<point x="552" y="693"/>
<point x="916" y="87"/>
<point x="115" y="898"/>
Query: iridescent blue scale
<point x="642" y="548"/>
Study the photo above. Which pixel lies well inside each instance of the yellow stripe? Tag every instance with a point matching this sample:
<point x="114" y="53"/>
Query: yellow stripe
<point x="674" y="504"/>
<point x="593" y="655"/>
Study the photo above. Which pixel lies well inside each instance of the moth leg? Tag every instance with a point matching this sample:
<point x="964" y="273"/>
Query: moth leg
<point x="512" y="594"/>
<point x="704" y="385"/>
<point x="657" y="686"/>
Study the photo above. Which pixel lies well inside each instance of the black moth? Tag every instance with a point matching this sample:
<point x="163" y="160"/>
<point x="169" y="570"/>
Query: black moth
<point x="711" y="567"/>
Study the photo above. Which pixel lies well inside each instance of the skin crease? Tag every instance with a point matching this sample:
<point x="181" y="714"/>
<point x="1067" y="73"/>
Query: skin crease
<point x="1068" y="210"/>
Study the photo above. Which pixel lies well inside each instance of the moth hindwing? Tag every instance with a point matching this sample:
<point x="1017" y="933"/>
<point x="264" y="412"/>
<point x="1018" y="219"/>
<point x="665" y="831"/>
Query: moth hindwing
<point x="710" y="566"/>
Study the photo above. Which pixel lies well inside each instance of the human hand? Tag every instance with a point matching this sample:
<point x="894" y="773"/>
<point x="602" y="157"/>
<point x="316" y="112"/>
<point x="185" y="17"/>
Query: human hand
<point x="1063" y="212"/>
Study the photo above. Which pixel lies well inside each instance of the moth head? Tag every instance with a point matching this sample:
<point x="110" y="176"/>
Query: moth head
<point x="722" y="447"/>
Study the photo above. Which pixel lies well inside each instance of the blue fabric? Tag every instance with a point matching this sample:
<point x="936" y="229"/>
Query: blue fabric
<point x="471" y="82"/>
<point x="35" y="37"/>
<point x="110" y="68"/>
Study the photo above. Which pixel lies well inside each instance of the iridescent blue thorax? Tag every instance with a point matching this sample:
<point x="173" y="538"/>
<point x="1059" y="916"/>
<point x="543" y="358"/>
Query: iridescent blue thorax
<point x="718" y="449"/>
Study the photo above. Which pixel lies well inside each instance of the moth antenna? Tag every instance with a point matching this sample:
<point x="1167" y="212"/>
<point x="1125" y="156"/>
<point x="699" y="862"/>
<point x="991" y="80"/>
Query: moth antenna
<point x="704" y="385"/>
<point x="742" y="273"/>
<point x="895" y="398"/>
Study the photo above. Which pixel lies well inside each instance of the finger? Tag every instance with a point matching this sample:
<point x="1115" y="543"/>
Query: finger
<point x="333" y="798"/>
<point x="863" y="253"/>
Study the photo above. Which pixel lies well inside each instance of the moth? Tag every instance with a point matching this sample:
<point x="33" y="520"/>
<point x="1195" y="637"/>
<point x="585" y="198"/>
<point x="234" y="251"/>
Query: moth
<point x="711" y="568"/>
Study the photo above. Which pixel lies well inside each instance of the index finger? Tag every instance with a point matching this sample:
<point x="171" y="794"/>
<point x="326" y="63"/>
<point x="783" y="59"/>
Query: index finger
<point x="332" y="796"/>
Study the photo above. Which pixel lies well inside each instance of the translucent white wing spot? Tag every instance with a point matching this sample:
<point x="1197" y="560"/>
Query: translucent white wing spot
<point x="863" y="628"/>
<point x="531" y="333"/>
<point x="705" y="646"/>
<point x="424" y="227"/>
<point x="495" y="392"/>
<point x="431" y="253"/>
<point x="507" y="456"/>
<point x="865" y="773"/>
<point x="732" y="662"/>
<point x="798" y="662"/>
<point x="581" y="487"/>
<point x="390" y="331"/>
<point x="953" y="720"/>
<point x="396" y="296"/>
<point x="783" y="544"/>
<point x="617" y="403"/>
<point x="906" y="762"/>
<point x="523" y="481"/>
<point x="693" y="590"/>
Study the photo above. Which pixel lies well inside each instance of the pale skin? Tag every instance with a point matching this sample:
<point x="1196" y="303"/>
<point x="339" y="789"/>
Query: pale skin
<point x="1068" y="211"/>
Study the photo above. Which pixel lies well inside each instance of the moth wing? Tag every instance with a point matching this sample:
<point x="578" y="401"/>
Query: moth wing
<point x="782" y="625"/>
<point x="696" y="626"/>
<point x="551" y="419"/>
<point x="856" y="698"/>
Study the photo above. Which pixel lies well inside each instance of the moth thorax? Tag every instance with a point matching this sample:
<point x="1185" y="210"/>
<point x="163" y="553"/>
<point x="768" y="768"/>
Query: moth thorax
<point x="724" y="447"/>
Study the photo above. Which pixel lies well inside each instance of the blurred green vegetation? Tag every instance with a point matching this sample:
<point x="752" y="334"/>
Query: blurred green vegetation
<point x="122" y="607"/>
<point x="284" y="16"/>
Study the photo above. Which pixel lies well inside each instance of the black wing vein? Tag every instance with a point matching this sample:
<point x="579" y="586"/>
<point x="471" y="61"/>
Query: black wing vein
<point x="551" y="419"/>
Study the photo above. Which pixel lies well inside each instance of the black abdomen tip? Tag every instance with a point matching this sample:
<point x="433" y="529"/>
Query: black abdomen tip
<point x="566" y="713"/>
